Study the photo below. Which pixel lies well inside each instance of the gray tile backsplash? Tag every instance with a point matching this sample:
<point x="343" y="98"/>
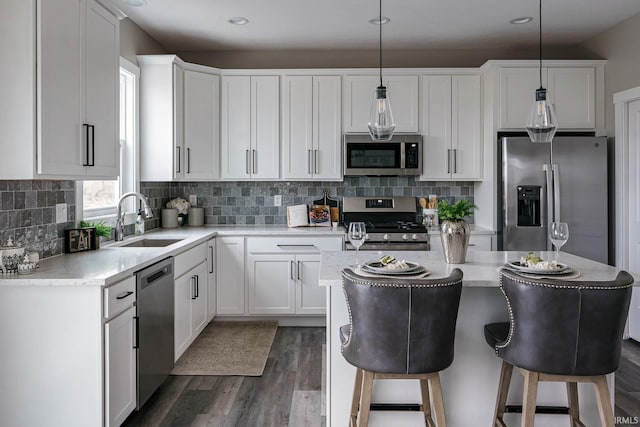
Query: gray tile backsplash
<point x="28" y="207"/>
<point x="252" y="202"/>
<point x="28" y="214"/>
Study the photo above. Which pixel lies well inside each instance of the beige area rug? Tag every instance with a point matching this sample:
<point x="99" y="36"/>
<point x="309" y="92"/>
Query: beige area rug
<point x="229" y="348"/>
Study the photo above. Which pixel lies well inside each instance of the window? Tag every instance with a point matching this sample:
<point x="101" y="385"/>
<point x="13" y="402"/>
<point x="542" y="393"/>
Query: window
<point x="98" y="199"/>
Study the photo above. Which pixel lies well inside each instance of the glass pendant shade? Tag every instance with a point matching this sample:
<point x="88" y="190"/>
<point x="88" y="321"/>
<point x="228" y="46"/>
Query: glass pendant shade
<point x="543" y="123"/>
<point x="381" y="124"/>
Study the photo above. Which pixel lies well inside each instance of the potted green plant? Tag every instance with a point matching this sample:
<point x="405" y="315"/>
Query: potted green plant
<point x="454" y="230"/>
<point x="102" y="230"/>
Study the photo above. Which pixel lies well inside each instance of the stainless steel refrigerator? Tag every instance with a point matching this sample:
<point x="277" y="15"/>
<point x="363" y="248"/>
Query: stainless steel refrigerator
<point x="533" y="192"/>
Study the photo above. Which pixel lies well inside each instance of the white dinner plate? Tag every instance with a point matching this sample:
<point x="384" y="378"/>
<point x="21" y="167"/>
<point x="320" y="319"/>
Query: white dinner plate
<point x="562" y="268"/>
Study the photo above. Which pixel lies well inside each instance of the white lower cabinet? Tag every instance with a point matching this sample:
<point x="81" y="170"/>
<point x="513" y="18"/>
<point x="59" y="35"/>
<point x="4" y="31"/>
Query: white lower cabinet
<point x="477" y="242"/>
<point x="230" y="275"/>
<point x="211" y="279"/>
<point x="120" y="367"/>
<point x="271" y="281"/>
<point x="190" y="297"/>
<point x="310" y="298"/>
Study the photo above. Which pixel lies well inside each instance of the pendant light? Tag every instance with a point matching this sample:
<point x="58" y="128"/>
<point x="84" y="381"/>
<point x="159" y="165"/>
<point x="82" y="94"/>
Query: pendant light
<point x="543" y="123"/>
<point x="381" y="124"/>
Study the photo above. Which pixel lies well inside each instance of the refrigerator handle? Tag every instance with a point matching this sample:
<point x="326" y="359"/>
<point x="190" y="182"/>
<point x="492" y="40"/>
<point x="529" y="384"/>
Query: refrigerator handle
<point x="549" y="189"/>
<point x="556" y="191"/>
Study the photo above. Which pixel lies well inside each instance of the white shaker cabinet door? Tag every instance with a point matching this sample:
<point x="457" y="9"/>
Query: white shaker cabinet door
<point x="201" y="126"/>
<point x="311" y="298"/>
<point x="230" y="275"/>
<point x="120" y="368"/>
<point x="211" y="279"/>
<point x="271" y="279"/>
<point x="466" y="128"/>
<point x="327" y="133"/>
<point x="236" y="127"/>
<point x="297" y="127"/>
<point x="61" y="137"/>
<point x="183" y="327"/>
<point x="517" y="94"/>
<point x="102" y="66"/>
<point x="436" y="127"/>
<point x="572" y="92"/>
<point x="265" y="127"/>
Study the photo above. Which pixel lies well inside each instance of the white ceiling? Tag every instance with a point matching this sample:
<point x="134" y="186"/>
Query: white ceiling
<point x="193" y="25"/>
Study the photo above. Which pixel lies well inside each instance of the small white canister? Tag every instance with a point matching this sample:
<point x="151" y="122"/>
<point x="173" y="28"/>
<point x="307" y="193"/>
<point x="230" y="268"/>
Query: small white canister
<point x="169" y="218"/>
<point x="196" y="217"/>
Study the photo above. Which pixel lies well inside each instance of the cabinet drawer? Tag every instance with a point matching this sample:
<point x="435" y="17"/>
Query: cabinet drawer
<point x="303" y="244"/>
<point x="189" y="259"/>
<point x="480" y="242"/>
<point x="120" y="296"/>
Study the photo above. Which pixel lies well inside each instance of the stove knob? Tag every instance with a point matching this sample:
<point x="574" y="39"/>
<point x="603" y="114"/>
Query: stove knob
<point x="414" y="237"/>
<point x="385" y="237"/>
<point x="366" y="236"/>
<point x="405" y="237"/>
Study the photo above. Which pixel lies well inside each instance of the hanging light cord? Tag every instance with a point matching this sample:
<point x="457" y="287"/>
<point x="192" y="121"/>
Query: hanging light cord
<point x="540" y="43"/>
<point x="380" y="50"/>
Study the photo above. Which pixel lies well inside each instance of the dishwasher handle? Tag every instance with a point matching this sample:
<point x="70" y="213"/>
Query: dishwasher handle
<point x="148" y="279"/>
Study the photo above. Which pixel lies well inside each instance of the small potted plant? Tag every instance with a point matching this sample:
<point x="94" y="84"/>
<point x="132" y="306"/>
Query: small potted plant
<point x="102" y="230"/>
<point x="454" y="230"/>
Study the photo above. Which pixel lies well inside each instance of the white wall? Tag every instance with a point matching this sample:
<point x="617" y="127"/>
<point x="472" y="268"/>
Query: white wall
<point x="135" y="41"/>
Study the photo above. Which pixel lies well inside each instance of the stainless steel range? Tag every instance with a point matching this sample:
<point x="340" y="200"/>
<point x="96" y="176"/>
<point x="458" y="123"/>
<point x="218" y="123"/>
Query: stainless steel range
<point x="391" y="222"/>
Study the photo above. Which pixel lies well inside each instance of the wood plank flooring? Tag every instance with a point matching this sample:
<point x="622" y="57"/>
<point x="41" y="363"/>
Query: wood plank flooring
<point x="291" y="390"/>
<point x="628" y="384"/>
<point x="289" y="393"/>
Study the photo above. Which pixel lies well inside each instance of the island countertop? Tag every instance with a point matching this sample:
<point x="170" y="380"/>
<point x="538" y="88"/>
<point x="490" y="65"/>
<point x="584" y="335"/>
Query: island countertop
<point x="479" y="270"/>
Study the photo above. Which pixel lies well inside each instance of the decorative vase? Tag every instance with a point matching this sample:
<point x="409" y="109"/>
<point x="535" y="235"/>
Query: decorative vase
<point x="455" y="239"/>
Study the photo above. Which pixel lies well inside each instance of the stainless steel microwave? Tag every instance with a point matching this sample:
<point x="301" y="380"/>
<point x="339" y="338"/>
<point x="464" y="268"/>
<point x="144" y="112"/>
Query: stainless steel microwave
<point x="402" y="155"/>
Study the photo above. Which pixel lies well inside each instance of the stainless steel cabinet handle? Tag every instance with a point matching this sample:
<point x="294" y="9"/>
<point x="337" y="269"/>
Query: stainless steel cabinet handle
<point x="197" y="286"/>
<point x="177" y="159"/>
<point x="556" y="191"/>
<point x="124" y="295"/>
<point x="455" y="160"/>
<point x="295" y="246"/>
<point x="298" y="273"/>
<point x="212" y="260"/>
<point x="471" y="244"/>
<point x="136" y="330"/>
<point x="254" y="161"/>
<point x="448" y="160"/>
<point x="188" y="160"/>
<point x="246" y="161"/>
<point x="193" y="287"/>
<point x="316" y="160"/>
<point x="291" y="265"/>
<point x="309" y="161"/>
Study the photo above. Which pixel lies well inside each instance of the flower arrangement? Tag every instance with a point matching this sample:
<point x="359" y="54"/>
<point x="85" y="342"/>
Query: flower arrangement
<point x="180" y="204"/>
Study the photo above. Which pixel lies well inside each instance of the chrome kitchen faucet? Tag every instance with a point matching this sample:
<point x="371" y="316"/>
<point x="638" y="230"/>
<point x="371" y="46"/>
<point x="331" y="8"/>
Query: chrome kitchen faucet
<point x="148" y="213"/>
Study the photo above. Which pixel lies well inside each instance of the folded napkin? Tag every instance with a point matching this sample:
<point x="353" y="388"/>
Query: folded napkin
<point x="363" y="273"/>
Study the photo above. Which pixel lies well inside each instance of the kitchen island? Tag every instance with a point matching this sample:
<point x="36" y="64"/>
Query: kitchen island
<point x="470" y="384"/>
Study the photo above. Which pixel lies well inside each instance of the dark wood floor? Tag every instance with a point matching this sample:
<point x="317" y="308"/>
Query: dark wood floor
<point x="291" y="390"/>
<point x="289" y="393"/>
<point x="628" y="384"/>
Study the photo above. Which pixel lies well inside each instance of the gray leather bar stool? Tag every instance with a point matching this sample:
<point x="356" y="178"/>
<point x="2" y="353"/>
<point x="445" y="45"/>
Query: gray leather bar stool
<point x="400" y="329"/>
<point x="563" y="331"/>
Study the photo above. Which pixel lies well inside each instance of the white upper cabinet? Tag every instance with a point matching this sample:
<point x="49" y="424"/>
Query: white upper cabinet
<point x="570" y="89"/>
<point x="179" y="120"/>
<point x="359" y="92"/>
<point x="201" y="118"/>
<point x="250" y="146"/>
<point x="311" y="127"/>
<point x="61" y="91"/>
<point x="451" y="127"/>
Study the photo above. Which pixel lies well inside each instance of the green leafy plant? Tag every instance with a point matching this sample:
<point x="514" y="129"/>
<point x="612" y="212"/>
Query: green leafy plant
<point x="456" y="212"/>
<point x="102" y="229"/>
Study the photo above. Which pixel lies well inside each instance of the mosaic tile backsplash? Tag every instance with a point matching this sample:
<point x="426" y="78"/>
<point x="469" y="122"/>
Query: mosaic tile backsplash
<point x="28" y="208"/>
<point x="251" y="202"/>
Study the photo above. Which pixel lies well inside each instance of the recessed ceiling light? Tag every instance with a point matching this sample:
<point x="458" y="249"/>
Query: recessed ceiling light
<point x="136" y="3"/>
<point x="522" y="20"/>
<point x="377" y="20"/>
<point x="238" y="20"/>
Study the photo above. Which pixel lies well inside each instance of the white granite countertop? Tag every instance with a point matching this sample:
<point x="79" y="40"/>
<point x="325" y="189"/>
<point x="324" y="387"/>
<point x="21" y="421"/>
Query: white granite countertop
<point x="475" y="229"/>
<point x="480" y="268"/>
<point x="273" y="230"/>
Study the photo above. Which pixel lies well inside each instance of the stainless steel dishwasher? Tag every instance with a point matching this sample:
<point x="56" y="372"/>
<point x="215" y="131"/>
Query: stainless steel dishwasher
<point x="154" y="336"/>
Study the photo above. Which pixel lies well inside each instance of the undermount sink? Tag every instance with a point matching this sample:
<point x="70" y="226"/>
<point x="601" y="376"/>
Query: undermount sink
<point x="150" y="243"/>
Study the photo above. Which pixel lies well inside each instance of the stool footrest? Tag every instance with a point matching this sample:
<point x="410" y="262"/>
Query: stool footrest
<point x="395" y="407"/>
<point x="556" y="410"/>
